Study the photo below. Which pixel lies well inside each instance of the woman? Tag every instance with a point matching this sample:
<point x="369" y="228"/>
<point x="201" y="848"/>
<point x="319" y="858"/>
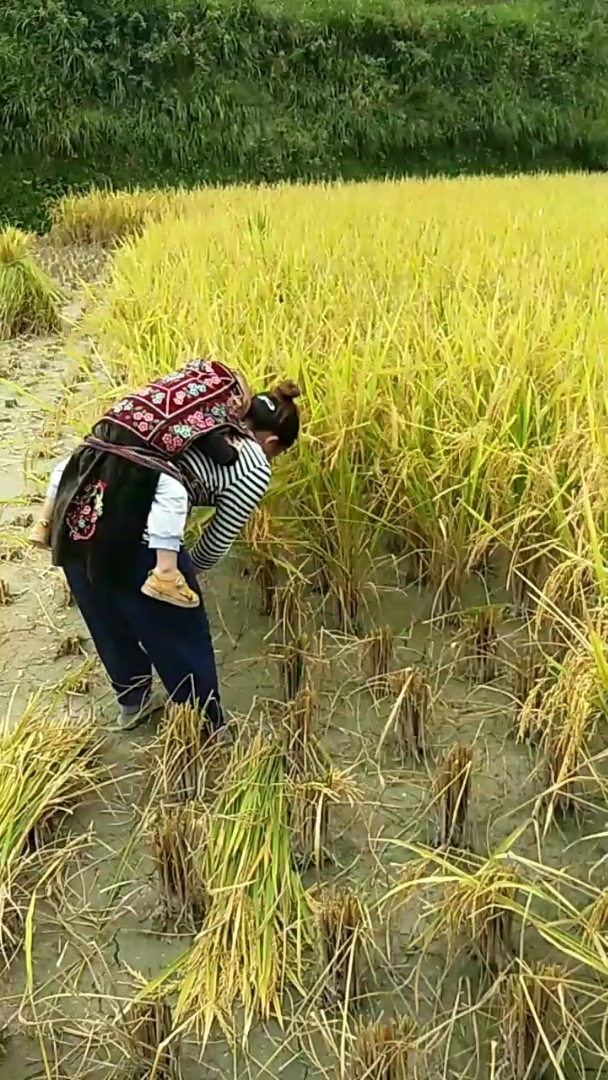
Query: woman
<point x="200" y="427"/>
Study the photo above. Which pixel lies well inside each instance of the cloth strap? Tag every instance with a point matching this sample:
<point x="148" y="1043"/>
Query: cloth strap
<point x="151" y="459"/>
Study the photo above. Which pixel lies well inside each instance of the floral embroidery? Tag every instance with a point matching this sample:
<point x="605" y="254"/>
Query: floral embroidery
<point x="177" y="408"/>
<point x="83" y="514"/>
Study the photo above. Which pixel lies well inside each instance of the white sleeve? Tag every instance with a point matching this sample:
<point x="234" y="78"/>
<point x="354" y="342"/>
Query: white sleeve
<point x="232" y="510"/>
<point x="168" y="515"/>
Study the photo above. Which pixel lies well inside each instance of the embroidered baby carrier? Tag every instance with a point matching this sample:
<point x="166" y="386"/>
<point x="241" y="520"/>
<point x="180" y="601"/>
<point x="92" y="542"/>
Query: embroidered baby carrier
<point x="205" y="401"/>
<point x="169" y="414"/>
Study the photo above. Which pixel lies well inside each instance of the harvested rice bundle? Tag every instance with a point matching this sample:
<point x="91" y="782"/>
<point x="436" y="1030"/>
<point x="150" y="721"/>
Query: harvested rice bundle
<point x="257" y="920"/>
<point x="29" y="300"/>
<point x="47" y="767"/>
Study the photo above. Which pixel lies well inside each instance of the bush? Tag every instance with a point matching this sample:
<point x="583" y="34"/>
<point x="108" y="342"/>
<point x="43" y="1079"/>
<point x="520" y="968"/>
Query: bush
<point x="28" y="296"/>
<point x="182" y="90"/>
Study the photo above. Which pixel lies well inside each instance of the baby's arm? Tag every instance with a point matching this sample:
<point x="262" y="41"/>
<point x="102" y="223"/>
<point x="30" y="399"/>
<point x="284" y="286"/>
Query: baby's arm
<point x="168" y="515"/>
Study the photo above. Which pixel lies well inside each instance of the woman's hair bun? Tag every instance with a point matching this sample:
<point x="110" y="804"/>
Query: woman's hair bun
<point x="288" y="390"/>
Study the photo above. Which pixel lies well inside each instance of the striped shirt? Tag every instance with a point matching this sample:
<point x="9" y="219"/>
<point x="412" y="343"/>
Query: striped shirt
<point x="234" y="491"/>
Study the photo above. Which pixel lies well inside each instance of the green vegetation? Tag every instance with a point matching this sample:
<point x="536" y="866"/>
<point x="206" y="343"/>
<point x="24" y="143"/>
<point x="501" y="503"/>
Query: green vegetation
<point x="182" y="90"/>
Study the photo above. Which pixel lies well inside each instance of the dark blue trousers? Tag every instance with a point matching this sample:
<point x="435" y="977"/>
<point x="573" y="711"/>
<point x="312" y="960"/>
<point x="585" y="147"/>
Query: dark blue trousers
<point x="134" y="633"/>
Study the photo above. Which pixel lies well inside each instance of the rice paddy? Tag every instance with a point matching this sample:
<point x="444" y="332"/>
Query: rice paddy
<point x="398" y="867"/>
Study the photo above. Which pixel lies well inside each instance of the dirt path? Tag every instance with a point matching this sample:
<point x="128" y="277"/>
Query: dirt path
<point x="35" y="621"/>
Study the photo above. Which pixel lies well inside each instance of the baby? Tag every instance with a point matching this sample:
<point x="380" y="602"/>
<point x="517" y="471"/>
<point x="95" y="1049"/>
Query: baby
<point x="166" y="528"/>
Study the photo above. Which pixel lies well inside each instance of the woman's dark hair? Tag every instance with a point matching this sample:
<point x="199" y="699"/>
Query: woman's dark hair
<point x="277" y="413"/>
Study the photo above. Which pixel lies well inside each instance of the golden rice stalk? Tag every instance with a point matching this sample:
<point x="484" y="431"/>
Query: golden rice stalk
<point x="103" y="216"/>
<point x="594" y="920"/>
<point x="289" y="610"/>
<point x="342" y="931"/>
<point x="486" y="646"/>
<point x="292" y="666"/>
<point x="261" y="560"/>
<point x="23" y="521"/>
<point x="563" y="758"/>
<point x="480" y="906"/>
<point x="29" y="299"/>
<point x="566" y="720"/>
<point x="302" y="748"/>
<point x="318" y="664"/>
<point x="412" y="711"/>
<point x="62" y="593"/>
<point x="311" y="800"/>
<point x="410" y="549"/>
<point x="384" y="1051"/>
<point x="378" y="652"/>
<point x="346" y="587"/>
<point x="573" y="700"/>
<point x="531" y="681"/>
<point x="446" y="573"/>
<point x="525" y="577"/>
<point x="478" y="639"/>
<point x="572" y="588"/>
<point x="321" y="581"/>
<point x="179" y="835"/>
<point x="529" y="1001"/>
<point x="452" y="795"/>
<point x="152" y="1048"/>
<point x="182" y="750"/>
<point x="12" y="547"/>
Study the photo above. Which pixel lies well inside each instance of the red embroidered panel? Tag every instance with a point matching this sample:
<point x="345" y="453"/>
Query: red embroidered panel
<point x="178" y="408"/>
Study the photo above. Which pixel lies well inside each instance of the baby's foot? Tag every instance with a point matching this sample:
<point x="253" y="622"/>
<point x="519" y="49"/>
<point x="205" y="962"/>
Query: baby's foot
<point x="172" y="589"/>
<point x="40" y="535"/>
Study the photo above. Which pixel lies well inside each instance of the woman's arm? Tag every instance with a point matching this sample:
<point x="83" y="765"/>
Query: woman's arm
<point x="232" y="509"/>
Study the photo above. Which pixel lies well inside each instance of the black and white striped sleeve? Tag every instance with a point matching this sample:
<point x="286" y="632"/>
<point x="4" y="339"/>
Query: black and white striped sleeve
<point x="251" y="477"/>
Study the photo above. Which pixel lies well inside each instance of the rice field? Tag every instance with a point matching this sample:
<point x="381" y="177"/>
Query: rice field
<point x="399" y="868"/>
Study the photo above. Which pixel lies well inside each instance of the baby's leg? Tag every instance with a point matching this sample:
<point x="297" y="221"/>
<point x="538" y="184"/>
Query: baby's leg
<point x="166" y="563"/>
<point x="166" y="528"/>
<point x="41" y="532"/>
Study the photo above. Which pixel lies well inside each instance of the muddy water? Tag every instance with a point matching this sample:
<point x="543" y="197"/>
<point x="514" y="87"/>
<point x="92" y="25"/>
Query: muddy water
<point x="90" y="944"/>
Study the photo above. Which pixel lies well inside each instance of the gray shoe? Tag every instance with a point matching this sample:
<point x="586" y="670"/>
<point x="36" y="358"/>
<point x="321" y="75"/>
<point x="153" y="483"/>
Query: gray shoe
<point x="133" y="716"/>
